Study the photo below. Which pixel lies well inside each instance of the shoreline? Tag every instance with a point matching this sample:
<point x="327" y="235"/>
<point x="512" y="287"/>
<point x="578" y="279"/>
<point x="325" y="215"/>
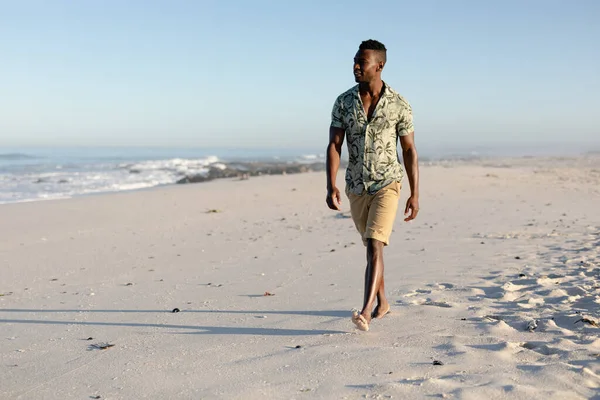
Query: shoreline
<point x="216" y="171"/>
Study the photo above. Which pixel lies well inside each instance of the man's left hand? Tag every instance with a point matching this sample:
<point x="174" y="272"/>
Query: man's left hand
<point x="412" y="208"/>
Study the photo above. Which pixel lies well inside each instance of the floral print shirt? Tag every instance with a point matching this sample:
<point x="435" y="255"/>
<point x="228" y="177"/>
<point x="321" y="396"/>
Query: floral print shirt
<point x="372" y="153"/>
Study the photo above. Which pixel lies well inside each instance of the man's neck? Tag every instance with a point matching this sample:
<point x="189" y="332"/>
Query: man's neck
<point x="372" y="88"/>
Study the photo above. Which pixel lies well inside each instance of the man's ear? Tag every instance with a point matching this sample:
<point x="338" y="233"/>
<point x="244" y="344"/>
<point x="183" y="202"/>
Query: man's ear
<point x="380" y="66"/>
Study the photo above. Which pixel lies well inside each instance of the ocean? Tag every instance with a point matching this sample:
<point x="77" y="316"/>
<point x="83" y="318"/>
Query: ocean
<point x="31" y="174"/>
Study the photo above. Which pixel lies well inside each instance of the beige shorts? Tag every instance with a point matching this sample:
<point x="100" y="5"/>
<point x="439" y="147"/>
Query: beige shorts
<point x="374" y="215"/>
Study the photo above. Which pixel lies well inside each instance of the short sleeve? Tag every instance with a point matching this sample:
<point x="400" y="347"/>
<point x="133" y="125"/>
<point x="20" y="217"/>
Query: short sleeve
<point x="337" y="120"/>
<point x="405" y="123"/>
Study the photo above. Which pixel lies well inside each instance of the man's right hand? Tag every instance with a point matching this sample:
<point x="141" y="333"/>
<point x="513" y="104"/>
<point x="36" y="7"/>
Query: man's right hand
<point x="334" y="199"/>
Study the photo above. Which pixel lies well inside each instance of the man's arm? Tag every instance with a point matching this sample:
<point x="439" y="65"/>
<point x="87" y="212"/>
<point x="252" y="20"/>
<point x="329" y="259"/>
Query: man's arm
<point x="410" y="157"/>
<point x="334" y="153"/>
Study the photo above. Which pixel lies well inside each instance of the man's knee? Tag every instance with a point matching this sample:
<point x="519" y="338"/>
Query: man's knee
<point x="375" y="245"/>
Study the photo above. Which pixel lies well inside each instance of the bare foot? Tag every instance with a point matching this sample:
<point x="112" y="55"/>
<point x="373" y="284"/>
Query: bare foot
<point x="381" y="310"/>
<point x="360" y="321"/>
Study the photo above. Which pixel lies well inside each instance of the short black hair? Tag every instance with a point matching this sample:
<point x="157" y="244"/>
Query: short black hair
<point x="374" y="45"/>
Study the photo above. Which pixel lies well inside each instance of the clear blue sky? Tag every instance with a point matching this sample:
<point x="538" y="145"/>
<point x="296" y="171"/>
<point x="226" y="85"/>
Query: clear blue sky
<point x="266" y="73"/>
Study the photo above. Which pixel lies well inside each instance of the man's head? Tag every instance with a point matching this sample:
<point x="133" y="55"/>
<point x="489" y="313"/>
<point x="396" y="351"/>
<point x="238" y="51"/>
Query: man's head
<point x="369" y="61"/>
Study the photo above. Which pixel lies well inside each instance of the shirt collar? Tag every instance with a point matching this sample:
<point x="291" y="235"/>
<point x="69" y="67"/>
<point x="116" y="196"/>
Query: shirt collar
<point x="386" y="91"/>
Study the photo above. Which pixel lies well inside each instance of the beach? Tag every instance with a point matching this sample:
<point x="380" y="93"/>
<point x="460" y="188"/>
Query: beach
<point x="243" y="289"/>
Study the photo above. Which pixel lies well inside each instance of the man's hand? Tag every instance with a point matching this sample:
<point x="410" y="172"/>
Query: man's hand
<point x="334" y="152"/>
<point x="409" y="153"/>
<point x="412" y="208"/>
<point x="334" y="199"/>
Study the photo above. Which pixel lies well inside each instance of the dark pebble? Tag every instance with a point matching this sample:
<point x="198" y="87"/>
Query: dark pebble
<point x="175" y="310"/>
<point x="436" y="362"/>
<point x="298" y="347"/>
<point x="517" y="258"/>
<point x="90" y="338"/>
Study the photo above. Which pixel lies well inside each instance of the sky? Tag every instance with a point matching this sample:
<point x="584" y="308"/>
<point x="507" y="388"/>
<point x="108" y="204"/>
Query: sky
<point x="266" y="73"/>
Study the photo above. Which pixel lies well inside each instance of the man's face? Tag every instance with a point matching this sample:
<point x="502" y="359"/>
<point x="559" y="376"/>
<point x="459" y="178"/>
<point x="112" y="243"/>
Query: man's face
<point x="367" y="65"/>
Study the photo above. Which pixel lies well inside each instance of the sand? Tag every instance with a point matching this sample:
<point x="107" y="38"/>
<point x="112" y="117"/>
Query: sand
<point x="495" y="291"/>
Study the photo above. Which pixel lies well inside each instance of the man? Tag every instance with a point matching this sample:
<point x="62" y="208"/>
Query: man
<point x="372" y="116"/>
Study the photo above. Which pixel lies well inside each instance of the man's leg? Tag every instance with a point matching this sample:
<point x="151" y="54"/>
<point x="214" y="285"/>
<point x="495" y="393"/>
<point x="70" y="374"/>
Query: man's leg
<point x="359" y="207"/>
<point x="374" y="288"/>
<point x="382" y="307"/>
<point x="382" y="214"/>
<point x="374" y="218"/>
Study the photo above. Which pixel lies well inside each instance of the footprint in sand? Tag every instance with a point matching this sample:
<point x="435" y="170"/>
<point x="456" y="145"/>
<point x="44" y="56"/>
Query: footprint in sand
<point x="417" y="292"/>
<point x="441" y="286"/>
<point x="434" y="286"/>
<point x="430" y="302"/>
<point x="542" y="348"/>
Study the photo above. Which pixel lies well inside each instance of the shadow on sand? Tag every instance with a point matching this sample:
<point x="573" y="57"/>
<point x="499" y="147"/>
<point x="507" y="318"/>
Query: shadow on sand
<point x="198" y="329"/>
